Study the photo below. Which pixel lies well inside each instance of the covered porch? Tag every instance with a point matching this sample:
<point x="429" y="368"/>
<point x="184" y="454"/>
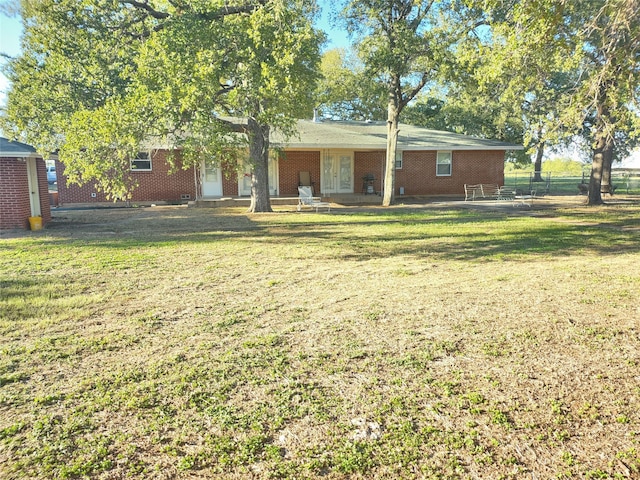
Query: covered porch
<point x="237" y="201"/>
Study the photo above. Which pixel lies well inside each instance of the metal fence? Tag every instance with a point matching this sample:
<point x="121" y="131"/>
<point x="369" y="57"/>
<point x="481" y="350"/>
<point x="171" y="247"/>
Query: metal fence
<point x="624" y="181"/>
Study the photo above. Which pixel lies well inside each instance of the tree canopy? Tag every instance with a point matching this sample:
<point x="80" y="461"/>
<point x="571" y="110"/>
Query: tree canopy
<point x="577" y="67"/>
<point x="403" y="44"/>
<point x="543" y="73"/>
<point x="97" y="79"/>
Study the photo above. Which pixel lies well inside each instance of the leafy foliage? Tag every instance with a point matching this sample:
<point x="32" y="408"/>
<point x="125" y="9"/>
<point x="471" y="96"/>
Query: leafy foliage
<point x="99" y="78"/>
<point x="577" y="64"/>
<point x="346" y="92"/>
<point x="403" y="44"/>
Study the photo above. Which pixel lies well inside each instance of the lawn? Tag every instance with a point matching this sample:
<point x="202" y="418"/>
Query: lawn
<point x="411" y="342"/>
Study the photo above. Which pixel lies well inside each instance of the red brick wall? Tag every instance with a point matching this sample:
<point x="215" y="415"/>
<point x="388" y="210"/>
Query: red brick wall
<point x="291" y="164"/>
<point x="481" y="166"/>
<point x="158" y="185"/>
<point x="418" y="176"/>
<point x="229" y="180"/>
<point x="71" y="193"/>
<point x="368" y="163"/>
<point x="14" y="194"/>
<point x="15" y="208"/>
<point x="164" y="183"/>
<point x="418" y="173"/>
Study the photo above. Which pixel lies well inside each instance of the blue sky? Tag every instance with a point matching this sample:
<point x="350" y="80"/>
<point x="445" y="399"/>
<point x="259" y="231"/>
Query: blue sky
<point x="10" y="31"/>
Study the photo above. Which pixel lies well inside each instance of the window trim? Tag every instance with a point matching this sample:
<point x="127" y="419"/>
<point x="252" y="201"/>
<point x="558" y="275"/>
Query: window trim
<point x="139" y="158"/>
<point x="399" y="159"/>
<point x="438" y="163"/>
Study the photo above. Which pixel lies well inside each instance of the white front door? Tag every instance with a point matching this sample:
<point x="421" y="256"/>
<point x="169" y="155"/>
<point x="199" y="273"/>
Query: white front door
<point x="34" y="187"/>
<point x="337" y="172"/>
<point x="211" y="180"/>
<point x="244" y="182"/>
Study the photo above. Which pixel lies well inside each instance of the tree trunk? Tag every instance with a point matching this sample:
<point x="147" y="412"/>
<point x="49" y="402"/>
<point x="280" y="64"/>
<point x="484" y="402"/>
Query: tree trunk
<point x="392" y="144"/>
<point x="259" y="158"/>
<point x="595" y="181"/>
<point x="603" y="147"/>
<point x="607" y="161"/>
<point x="537" y="175"/>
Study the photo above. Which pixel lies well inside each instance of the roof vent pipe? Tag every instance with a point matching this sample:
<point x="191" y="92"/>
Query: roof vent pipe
<point x="315" y="116"/>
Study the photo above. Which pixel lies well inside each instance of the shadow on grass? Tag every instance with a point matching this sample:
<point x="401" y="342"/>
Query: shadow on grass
<point x="528" y="239"/>
<point x="24" y="288"/>
<point x="445" y="234"/>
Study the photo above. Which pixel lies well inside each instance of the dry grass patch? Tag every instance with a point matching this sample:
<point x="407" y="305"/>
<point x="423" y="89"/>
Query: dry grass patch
<point x="366" y="343"/>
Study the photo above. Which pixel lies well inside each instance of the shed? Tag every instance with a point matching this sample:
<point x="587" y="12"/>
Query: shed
<point x="24" y="191"/>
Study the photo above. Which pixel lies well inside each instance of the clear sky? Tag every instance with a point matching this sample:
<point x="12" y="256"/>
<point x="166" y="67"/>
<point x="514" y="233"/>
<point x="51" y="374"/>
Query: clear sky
<point x="10" y="31"/>
<point x="336" y="34"/>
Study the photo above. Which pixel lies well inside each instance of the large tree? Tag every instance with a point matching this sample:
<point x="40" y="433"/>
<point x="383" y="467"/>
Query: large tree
<point x="513" y="94"/>
<point x="99" y="78"/>
<point x="402" y="43"/>
<point x="610" y="91"/>
<point x="595" y="44"/>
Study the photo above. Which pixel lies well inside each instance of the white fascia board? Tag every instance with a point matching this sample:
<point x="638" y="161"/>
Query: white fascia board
<point x="413" y="148"/>
<point x="329" y="146"/>
<point x="457" y="148"/>
<point x="19" y="155"/>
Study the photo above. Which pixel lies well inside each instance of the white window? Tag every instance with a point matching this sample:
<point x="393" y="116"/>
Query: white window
<point x="142" y="163"/>
<point x="443" y="164"/>
<point x="399" y="157"/>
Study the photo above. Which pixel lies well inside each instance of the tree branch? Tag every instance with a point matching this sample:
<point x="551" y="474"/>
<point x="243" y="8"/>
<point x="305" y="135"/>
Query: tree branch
<point x="144" y="5"/>
<point x="232" y="10"/>
<point x="227" y="10"/>
<point x="211" y="15"/>
<point x="410" y="95"/>
<point x="236" y="127"/>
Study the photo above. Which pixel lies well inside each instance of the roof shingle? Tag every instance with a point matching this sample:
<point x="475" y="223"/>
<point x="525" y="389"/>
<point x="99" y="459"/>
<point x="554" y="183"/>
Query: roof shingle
<point x="373" y="135"/>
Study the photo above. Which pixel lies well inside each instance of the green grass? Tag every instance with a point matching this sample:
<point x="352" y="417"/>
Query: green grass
<point x="365" y="343"/>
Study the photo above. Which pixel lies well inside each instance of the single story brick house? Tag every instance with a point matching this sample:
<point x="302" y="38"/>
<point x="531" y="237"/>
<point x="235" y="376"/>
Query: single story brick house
<point x="341" y="158"/>
<point x="24" y="191"/>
